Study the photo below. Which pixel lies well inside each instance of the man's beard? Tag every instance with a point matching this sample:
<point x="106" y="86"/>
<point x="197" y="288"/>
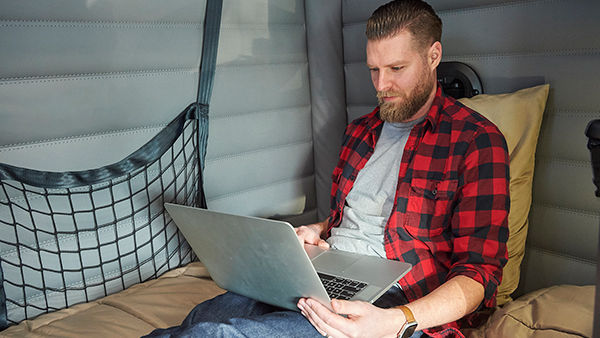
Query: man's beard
<point x="407" y="106"/>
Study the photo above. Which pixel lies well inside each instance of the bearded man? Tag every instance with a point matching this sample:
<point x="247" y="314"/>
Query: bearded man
<point x="421" y="179"/>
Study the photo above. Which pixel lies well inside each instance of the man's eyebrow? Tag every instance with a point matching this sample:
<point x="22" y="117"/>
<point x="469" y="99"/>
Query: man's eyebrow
<point x="392" y="64"/>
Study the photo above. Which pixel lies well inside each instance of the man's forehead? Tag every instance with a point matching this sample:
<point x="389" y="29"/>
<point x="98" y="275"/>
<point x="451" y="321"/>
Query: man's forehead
<point x="402" y="34"/>
<point x="390" y="51"/>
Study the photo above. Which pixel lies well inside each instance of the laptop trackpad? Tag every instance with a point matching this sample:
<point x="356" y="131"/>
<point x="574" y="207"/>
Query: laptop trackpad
<point x="313" y="251"/>
<point x="334" y="261"/>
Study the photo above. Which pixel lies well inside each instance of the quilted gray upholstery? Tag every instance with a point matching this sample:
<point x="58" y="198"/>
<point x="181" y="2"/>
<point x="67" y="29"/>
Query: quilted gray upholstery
<point x="84" y="83"/>
<point x="260" y="149"/>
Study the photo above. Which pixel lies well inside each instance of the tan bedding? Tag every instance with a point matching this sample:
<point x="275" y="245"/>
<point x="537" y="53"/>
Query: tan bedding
<point x="559" y="311"/>
<point x="158" y="303"/>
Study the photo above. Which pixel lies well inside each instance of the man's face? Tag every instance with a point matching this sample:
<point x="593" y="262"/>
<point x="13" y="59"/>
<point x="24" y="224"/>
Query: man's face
<point x="402" y="76"/>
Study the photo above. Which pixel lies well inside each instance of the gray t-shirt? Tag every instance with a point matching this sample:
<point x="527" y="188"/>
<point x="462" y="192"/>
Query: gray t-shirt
<point x="369" y="203"/>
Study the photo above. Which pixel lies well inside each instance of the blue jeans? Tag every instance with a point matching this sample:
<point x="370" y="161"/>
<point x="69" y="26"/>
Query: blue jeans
<point x="232" y="315"/>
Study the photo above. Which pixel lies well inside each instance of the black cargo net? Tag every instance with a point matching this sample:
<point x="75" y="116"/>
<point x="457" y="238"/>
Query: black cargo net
<point x="63" y="242"/>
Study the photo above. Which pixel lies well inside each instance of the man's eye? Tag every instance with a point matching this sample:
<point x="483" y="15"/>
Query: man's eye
<point x="372" y="70"/>
<point x="395" y="69"/>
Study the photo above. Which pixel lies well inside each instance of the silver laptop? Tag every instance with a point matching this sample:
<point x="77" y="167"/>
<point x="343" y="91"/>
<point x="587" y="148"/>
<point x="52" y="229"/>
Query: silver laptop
<point x="264" y="260"/>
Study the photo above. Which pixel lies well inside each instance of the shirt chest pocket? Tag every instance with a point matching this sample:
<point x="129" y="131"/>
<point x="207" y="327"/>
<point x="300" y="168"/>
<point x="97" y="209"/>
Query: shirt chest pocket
<point x="429" y="207"/>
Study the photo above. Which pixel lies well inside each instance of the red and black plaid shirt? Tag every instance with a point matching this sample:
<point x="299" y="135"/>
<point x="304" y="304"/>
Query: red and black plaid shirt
<point x="452" y="200"/>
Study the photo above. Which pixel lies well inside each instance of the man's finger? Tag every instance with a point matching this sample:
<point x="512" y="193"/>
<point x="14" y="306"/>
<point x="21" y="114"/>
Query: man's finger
<point x="306" y="235"/>
<point x="346" y="307"/>
<point x="309" y="318"/>
<point x="323" y="244"/>
<point x="309" y="314"/>
<point x="321" y="326"/>
<point x="314" y="319"/>
<point x="325" y="320"/>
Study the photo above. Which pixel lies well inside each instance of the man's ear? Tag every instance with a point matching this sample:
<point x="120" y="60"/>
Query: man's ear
<point x="434" y="56"/>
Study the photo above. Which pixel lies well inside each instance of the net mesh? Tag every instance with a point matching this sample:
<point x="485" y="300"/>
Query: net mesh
<point x="60" y="246"/>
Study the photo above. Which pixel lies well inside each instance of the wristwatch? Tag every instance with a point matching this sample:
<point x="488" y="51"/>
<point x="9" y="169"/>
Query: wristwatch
<point x="409" y="326"/>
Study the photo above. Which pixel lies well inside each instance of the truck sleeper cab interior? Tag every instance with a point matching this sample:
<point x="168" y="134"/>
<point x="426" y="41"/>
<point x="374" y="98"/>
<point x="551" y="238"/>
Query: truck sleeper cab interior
<point x="86" y="84"/>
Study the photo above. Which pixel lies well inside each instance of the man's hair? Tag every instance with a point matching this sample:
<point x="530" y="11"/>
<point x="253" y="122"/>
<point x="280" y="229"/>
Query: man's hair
<point x="415" y="16"/>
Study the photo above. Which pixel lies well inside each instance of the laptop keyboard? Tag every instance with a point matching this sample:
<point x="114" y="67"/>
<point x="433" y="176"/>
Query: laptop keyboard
<point x="340" y="288"/>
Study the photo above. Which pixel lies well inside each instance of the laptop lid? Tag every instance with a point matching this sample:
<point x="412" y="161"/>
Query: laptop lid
<point x="250" y="256"/>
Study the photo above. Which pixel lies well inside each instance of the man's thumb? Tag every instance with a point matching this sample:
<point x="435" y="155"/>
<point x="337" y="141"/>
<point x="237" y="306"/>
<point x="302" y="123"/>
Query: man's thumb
<point x="323" y="244"/>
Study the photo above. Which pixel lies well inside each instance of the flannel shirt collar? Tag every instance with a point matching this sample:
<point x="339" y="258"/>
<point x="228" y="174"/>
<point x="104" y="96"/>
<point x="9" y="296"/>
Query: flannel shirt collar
<point x="437" y="106"/>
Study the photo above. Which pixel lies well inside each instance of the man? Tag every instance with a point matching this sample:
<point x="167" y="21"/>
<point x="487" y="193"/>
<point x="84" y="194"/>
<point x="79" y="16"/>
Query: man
<point x="421" y="179"/>
<point x="450" y="202"/>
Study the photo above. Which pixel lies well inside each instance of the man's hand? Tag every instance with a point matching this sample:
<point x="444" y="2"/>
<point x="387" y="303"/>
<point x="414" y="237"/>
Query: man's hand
<point x="311" y="234"/>
<point x="362" y="319"/>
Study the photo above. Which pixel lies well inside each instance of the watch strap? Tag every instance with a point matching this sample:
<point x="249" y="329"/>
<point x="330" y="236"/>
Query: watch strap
<point x="410" y="325"/>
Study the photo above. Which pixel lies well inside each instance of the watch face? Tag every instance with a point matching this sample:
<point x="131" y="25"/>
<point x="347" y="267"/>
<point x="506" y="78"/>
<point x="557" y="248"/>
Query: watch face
<point x="409" y="329"/>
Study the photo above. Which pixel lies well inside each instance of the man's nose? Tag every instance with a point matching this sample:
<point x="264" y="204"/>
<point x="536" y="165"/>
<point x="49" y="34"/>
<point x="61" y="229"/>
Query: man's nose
<point x="383" y="82"/>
